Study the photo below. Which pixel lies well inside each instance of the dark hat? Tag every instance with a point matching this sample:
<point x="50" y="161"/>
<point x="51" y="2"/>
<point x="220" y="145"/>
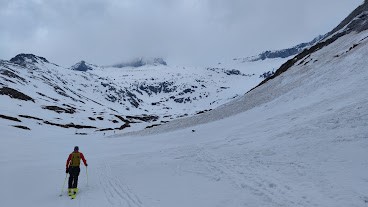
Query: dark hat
<point x="76" y="148"/>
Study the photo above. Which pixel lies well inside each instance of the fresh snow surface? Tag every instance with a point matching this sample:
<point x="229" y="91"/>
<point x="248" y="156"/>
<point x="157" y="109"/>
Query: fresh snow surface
<point x="301" y="139"/>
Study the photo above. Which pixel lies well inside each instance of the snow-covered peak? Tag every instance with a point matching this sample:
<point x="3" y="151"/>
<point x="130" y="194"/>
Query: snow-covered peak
<point x="83" y="66"/>
<point x="23" y="59"/>
<point x="138" y="62"/>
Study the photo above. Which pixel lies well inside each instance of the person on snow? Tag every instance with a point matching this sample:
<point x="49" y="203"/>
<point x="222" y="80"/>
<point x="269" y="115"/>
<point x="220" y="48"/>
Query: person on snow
<point x="72" y="167"/>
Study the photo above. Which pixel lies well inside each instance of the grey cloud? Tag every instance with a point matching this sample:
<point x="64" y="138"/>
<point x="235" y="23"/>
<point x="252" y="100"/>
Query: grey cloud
<point x="186" y="31"/>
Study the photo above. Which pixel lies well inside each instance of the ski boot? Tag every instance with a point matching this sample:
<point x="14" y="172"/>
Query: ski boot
<point x="70" y="191"/>
<point x="74" y="193"/>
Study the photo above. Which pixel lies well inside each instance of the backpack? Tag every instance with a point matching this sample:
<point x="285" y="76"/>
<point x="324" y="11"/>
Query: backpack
<point x="75" y="161"/>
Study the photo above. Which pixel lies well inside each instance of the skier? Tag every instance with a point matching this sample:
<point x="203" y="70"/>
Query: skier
<point x="72" y="167"/>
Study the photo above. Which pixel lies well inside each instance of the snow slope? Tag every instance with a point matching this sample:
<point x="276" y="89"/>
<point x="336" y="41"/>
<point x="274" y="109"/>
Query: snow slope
<point x="299" y="139"/>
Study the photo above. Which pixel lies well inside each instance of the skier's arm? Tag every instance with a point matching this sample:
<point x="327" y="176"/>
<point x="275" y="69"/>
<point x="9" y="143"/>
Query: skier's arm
<point x="68" y="161"/>
<point x="84" y="160"/>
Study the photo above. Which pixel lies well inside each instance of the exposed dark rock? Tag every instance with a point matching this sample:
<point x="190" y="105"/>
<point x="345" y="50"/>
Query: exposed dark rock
<point x="12" y="93"/>
<point x="204" y="111"/>
<point x="144" y="117"/>
<point x="122" y="119"/>
<point x="111" y="98"/>
<point x="232" y="72"/>
<point x="113" y="110"/>
<point x="30" y="117"/>
<point x="22" y="59"/>
<point x="77" y="126"/>
<point x="71" y="125"/>
<point x="267" y="74"/>
<point x="11" y="74"/>
<point x="227" y="72"/>
<point x="61" y="91"/>
<point x="106" y="129"/>
<point x="126" y="125"/>
<point x="181" y="116"/>
<point x="188" y="90"/>
<point x="120" y="94"/>
<point x="10" y="118"/>
<point x="163" y="87"/>
<point x="151" y="126"/>
<point x="81" y="66"/>
<point x="134" y="101"/>
<point x="43" y="95"/>
<point x="60" y="110"/>
<point x="179" y="100"/>
<point x="91" y="118"/>
<point x="21" y="127"/>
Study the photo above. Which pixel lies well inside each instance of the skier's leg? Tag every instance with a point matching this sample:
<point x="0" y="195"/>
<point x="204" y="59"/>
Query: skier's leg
<point x="70" y="182"/>
<point x="75" y="183"/>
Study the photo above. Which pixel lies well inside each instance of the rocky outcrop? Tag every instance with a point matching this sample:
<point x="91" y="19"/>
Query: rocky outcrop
<point x="82" y="66"/>
<point x="23" y="59"/>
<point x="285" y="53"/>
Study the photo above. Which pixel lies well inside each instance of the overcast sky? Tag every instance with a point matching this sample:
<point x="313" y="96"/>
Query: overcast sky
<point x="187" y="32"/>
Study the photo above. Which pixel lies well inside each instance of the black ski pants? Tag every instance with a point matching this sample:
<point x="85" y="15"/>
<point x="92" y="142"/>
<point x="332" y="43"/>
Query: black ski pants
<point x="73" y="177"/>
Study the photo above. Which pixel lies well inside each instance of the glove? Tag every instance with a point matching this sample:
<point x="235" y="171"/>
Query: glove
<point x="66" y="170"/>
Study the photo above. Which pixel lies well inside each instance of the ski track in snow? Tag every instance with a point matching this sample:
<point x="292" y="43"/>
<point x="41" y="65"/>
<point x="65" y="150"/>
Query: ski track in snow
<point x="245" y="177"/>
<point x="116" y="192"/>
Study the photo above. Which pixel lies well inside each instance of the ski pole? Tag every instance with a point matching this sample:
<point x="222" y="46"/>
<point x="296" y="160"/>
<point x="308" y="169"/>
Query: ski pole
<point x="87" y="175"/>
<point x="62" y="189"/>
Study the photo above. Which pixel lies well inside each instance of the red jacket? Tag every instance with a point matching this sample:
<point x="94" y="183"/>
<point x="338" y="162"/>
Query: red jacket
<point x="70" y="158"/>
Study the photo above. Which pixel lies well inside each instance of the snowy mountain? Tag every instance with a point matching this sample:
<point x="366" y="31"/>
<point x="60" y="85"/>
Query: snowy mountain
<point x="91" y="98"/>
<point x="299" y="138"/>
<point x="25" y="59"/>
<point x="83" y="66"/>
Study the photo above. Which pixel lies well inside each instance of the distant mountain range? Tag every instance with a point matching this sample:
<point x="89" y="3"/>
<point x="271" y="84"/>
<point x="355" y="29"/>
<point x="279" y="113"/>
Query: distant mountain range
<point x="104" y="98"/>
<point x="284" y="53"/>
<point x="90" y="97"/>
